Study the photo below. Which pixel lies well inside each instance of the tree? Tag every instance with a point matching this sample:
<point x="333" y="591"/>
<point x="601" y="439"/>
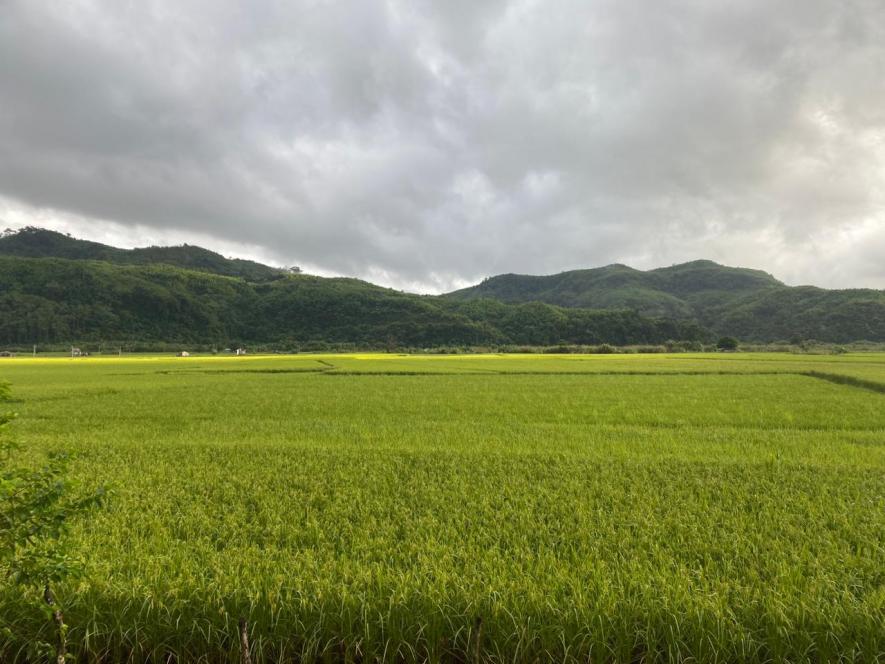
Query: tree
<point x="37" y="506"/>
<point x="727" y="343"/>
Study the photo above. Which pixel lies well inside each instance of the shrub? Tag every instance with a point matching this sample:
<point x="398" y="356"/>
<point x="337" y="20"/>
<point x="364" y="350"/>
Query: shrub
<point x="37" y="506"/>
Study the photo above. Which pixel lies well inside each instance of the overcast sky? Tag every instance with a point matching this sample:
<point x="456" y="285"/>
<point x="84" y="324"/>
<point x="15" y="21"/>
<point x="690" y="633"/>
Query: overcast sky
<point x="424" y="145"/>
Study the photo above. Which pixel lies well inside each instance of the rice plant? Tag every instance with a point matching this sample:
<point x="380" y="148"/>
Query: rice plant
<point x="467" y="508"/>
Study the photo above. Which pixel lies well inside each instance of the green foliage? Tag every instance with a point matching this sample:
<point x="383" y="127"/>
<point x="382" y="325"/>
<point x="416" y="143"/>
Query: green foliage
<point x="727" y="343"/>
<point x="748" y="304"/>
<point x="672" y="292"/>
<point x="55" y="289"/>
<point x="34" y="242"/>
<point x="804" y="312"/>
<point x="37" y="506"/>
<point x="703" y="507"/>
<point x="56" y="300"/>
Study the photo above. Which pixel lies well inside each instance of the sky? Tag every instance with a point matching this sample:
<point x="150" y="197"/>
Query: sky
<point x="426" y="145"/>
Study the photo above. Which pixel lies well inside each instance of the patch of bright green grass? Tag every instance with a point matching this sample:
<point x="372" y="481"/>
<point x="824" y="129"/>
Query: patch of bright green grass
<point x="613" y="508"/>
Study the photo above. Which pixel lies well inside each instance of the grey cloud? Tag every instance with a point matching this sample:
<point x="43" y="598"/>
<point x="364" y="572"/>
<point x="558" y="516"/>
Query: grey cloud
<point x="429" y="144"/>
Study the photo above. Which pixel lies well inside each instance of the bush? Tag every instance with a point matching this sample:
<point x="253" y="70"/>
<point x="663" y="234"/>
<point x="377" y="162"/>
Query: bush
<point x="727" y="343"/>
<point x="37" y="505"/>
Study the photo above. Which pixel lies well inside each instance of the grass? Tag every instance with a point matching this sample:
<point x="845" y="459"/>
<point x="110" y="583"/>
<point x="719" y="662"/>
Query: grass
<point x="611" y="508"/>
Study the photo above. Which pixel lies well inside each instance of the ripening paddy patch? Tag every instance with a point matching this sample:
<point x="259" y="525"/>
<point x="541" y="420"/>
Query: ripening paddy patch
<point x="706" y="507"/>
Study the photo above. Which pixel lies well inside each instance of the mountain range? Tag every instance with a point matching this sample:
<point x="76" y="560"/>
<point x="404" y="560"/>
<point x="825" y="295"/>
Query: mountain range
<point x="748" y="304"/>
<point x="58" y="289"/>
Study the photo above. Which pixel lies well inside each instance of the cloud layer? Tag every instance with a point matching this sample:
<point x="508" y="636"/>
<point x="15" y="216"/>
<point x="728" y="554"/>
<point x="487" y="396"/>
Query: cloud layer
<point x="428" y="144"/>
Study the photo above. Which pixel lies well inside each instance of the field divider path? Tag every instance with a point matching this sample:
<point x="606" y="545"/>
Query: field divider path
<point x="323" y="368"/>
<point x="842" y="379"/>
<point x="838" y="379"/>
<point x="493" y="372"/>
<point x="327" y="368"/>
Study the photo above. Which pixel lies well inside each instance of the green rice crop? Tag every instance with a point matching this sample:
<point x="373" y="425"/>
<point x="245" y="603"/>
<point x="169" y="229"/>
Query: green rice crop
<point x="447" y="508"/>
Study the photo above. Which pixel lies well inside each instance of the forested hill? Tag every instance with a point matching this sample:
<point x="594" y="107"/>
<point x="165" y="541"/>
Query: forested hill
<point x="748" y="304"/>
<point x="41" y="243"/>
<point x="53" y="300"/>
<point x="55" y="289"/>
<point x="673" y="291"/>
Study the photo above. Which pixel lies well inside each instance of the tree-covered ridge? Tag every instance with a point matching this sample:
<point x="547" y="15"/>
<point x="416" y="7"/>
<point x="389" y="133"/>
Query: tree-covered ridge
<point x="41" y="243"/>
<point x="51" y="300"/>
<point x="54" y="288"/>
<point x="670" y="291"/>
<point x="748" y="304"/>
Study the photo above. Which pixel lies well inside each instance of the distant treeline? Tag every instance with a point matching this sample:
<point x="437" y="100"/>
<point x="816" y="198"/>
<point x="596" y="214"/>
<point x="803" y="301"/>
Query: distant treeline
<point x="52" y="301"/>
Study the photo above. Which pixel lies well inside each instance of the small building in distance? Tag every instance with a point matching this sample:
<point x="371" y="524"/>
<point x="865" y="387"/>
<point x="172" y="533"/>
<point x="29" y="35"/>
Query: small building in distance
<point x="241" y="351"/>
<point x="6" y="353"/>
<point x="184" y="353"/>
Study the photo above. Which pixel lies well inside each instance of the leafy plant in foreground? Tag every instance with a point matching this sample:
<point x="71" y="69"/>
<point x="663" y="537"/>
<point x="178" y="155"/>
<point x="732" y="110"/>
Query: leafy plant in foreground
<point x="36" y="508"/>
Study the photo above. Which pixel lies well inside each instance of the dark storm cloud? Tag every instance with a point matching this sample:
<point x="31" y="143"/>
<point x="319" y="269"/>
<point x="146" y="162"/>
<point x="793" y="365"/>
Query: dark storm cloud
<point x="428" y="144"/>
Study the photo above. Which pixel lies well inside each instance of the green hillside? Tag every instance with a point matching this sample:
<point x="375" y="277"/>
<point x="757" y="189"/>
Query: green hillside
<point x="53" y="300"/>
<point x="41" y="243"/>
<point x="749" y="304"/>
<point x="54" y="288"/>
